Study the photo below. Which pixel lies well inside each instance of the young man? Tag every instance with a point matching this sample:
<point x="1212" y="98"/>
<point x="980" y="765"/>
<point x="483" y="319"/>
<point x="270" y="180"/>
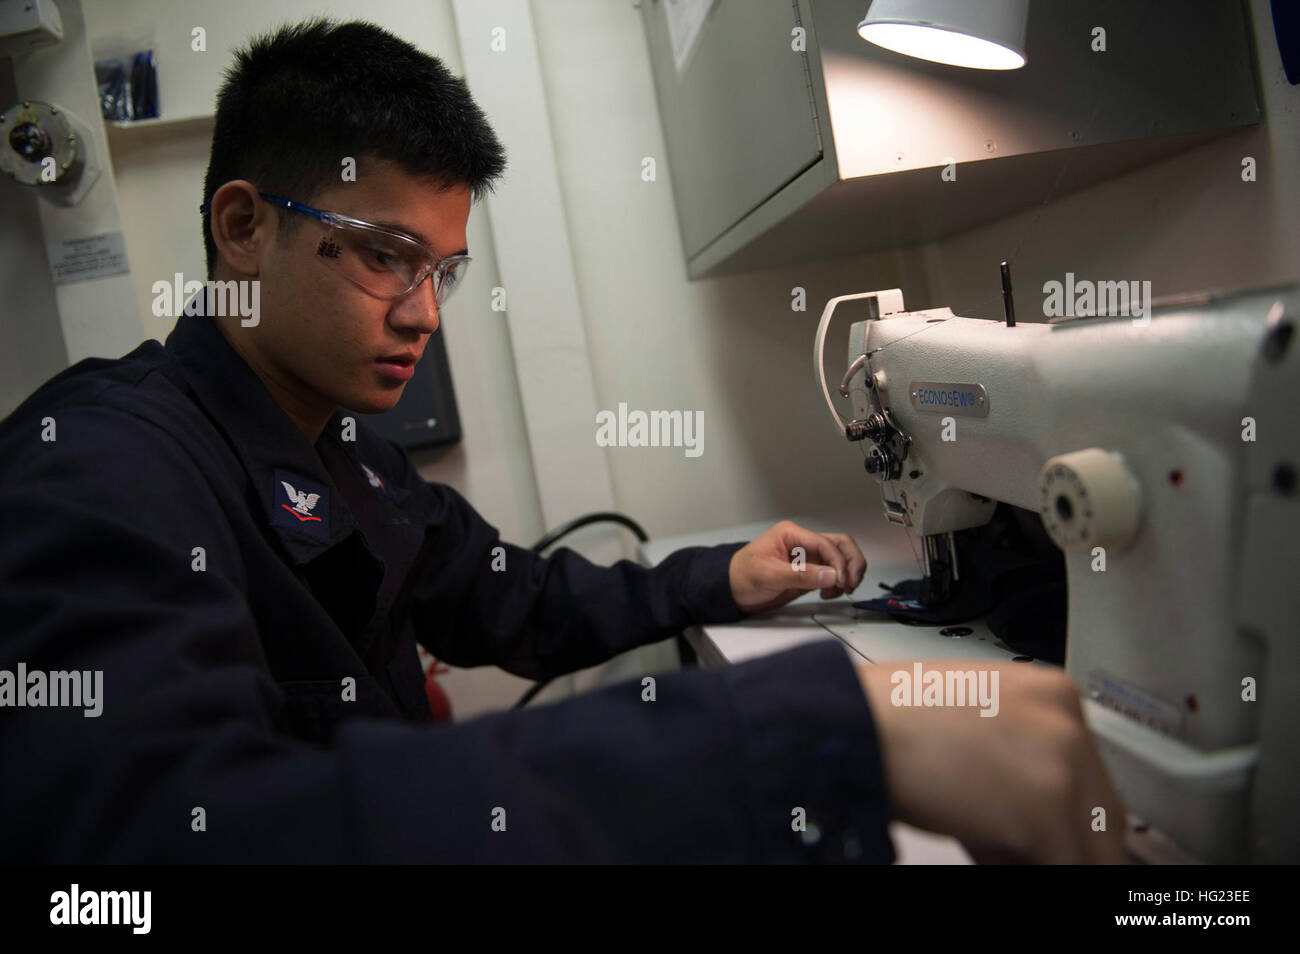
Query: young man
<point x="251" y="572"/>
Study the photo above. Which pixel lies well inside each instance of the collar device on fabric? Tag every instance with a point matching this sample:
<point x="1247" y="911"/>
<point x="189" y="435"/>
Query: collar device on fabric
<point x="301" y="504"/>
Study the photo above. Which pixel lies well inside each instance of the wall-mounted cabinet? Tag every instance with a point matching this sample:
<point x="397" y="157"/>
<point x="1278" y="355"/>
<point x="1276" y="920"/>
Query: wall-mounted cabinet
<point x="783" y="151"/>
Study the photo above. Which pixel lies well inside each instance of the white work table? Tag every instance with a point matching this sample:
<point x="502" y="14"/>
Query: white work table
<point x="869" y="637"/>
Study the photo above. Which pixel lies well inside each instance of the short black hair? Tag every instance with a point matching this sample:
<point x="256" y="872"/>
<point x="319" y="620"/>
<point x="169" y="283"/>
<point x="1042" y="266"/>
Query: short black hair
<point x="297" y="101"/>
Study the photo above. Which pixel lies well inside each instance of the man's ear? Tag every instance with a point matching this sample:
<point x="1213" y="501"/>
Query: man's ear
<point x="242" y="225"/>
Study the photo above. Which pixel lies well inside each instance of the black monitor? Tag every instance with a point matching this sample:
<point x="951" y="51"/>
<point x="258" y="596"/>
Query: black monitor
<point x="425" y="415"/>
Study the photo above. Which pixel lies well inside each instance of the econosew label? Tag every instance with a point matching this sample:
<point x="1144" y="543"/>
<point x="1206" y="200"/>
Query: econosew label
<point x="944" y="397"/>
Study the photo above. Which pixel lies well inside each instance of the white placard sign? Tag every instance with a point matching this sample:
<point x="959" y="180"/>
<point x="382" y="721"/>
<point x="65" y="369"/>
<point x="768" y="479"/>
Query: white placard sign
<point x="94" y="256"/>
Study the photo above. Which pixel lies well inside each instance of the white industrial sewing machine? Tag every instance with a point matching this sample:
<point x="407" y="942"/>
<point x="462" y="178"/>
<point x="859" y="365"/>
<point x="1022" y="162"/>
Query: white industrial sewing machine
<point x="1168" y="446"/>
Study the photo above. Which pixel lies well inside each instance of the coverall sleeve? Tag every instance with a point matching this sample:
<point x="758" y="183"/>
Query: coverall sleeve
<point x="184" y="762"/>
<point x="476" y="599"/>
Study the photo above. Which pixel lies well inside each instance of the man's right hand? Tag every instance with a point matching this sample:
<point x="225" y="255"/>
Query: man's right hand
<point x="1021" y="786"/>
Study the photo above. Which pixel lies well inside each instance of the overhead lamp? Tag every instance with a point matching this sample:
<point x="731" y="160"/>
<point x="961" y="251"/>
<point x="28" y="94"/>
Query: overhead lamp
<point x="983" y="35"/>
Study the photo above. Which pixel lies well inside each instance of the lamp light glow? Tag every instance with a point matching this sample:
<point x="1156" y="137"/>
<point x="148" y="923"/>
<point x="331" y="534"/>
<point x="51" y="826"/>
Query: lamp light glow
<point x="989" y="35"/>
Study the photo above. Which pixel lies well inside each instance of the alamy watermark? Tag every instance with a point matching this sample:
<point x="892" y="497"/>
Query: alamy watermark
<point x="228" y="299"/>
<point x="946" y="688"/>
<point x="75" y="906"/>
<point x="651" y="429"/>
<point x="1085" y="299"/>
<point x="35" y="688"/>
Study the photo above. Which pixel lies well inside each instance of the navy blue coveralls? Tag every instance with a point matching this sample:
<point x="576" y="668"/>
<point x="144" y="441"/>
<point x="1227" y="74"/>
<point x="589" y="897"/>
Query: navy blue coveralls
<point x="227" y="732"/>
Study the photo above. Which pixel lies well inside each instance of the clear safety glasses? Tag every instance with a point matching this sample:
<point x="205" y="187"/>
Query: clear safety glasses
<point x="381" y="261"/>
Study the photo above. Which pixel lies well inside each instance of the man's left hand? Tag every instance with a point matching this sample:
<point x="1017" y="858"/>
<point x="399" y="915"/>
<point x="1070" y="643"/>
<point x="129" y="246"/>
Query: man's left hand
<point x="788" y="560"/>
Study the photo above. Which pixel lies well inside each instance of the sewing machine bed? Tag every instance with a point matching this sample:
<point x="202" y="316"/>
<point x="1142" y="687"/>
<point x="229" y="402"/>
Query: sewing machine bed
<point x="874" y="636"/>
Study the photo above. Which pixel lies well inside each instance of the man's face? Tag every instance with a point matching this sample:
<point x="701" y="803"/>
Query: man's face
<point x="322" y="338"/>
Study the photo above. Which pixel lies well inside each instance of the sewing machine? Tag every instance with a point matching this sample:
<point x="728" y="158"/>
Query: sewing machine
<point x="1161" y="454"/>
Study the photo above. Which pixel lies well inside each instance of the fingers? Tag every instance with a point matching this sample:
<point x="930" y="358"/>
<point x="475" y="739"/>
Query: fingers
<point x="854" y="557"/>
<point x="1104" y="846"/>
<point x="1096" y="816"/>
<point x="834" y="550"/>
<point x="1082" y="819"/>
<point x="812" y="576"/>
<point x="1063" y="834"/>
<point x="1028" y="785"/>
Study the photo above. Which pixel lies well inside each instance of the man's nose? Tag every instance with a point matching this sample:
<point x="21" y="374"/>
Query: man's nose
<point x="417" y="310"/>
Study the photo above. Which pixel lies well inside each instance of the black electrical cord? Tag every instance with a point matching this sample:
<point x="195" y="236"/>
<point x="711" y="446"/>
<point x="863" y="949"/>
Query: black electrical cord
<point x="603" y="516"/>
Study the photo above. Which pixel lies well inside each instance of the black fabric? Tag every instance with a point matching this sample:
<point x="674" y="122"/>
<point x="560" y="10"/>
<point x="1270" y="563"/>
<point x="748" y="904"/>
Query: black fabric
<point x="254" y="601"/>
<point x="1008" y="574"/>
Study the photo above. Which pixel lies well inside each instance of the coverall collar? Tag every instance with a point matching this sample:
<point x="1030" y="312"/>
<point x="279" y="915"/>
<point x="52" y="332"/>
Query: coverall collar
<point x="272" y="449"/>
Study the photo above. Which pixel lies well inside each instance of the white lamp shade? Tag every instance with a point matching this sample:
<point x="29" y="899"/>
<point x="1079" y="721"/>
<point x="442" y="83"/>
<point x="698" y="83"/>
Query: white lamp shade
<point x="979" y="34"/>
